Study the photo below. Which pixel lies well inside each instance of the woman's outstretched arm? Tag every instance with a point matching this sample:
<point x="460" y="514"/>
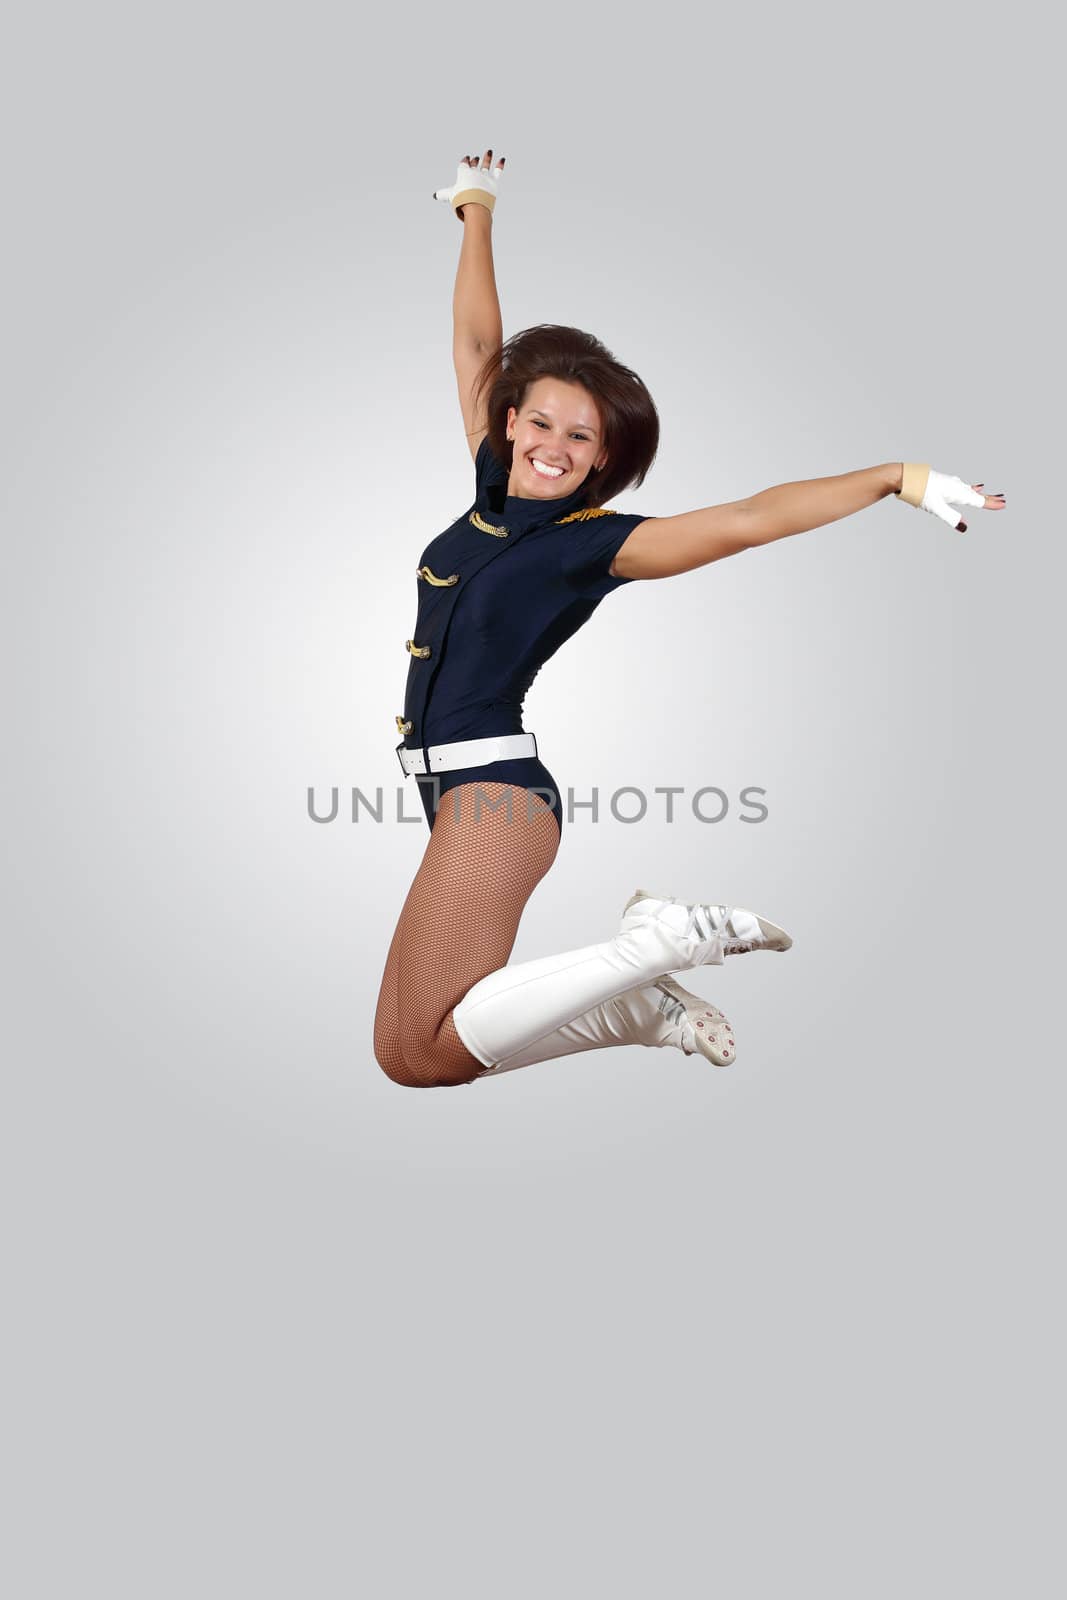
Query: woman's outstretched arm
<point x="812" y="503"/>
<point x="477" y="328"/>
<point x="662" y="547"/>
<point x="476" y="316"/>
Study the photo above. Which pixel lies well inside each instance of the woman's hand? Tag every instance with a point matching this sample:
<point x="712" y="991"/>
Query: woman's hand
<point x="932" y="491"/>
<point x="474" y="184"/>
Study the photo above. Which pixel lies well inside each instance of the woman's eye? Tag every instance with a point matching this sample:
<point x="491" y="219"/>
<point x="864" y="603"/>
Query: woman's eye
<point x="582" y="436"/>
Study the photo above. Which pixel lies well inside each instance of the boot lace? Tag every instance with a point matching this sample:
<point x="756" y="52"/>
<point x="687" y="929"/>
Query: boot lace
<point x="711" y="922"/>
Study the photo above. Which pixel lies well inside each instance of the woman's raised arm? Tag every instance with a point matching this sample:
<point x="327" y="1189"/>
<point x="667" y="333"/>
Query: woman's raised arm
<point x="662" y="547"/>
<point x="477" y="328"/>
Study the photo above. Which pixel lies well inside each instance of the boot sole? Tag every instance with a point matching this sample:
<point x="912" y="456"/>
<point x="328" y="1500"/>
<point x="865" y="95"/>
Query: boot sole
<point x="706" y="1021"/>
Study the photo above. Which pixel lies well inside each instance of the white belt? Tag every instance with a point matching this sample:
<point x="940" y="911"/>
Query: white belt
<point x="469" y="753"/>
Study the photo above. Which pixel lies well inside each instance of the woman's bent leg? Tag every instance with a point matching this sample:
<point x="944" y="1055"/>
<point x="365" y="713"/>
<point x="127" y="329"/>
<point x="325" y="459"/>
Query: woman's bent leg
<point x="461" y="1010"/>
<point x="388" y="1051"/>
<point x="491" y="845"/>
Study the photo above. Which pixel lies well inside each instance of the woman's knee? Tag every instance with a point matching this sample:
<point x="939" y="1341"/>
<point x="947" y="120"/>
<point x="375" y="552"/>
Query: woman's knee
<point x="395" y="1068"/>
<point x="425" y="1067"/>
<point x="390" y="1057"/>
<point x="431" y="1075"/>
<point x="441" y="1060"/>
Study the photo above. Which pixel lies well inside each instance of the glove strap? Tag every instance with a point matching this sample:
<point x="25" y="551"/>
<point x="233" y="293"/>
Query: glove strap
<point x="913" y="483"/>
<point x="480" y="197"/>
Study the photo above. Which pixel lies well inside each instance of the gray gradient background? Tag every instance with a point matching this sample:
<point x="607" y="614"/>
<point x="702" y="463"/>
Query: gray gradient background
<point x="617" y="1324"/>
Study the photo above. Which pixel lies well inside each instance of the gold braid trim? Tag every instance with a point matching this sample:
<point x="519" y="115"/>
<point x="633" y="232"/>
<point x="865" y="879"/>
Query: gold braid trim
<point x="439" y="583"/>
<point x="487" y="527"/>
<point x="580" y="516"/>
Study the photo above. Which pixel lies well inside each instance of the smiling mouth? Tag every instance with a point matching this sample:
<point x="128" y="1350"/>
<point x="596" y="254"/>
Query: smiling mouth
<point x="544" y="471"/>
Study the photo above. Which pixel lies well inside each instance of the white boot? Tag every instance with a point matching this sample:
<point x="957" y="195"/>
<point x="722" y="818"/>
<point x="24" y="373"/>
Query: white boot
<point x="741" y="930"/>
<point x="512" y="1008"/>
<point x="658" y="1014"/>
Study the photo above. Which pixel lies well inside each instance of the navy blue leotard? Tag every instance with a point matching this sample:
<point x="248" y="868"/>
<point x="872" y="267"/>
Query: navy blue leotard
<point x="498" y="593"/>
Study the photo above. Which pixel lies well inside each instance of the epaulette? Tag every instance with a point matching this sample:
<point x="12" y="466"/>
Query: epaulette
<point x="580" y="516"/>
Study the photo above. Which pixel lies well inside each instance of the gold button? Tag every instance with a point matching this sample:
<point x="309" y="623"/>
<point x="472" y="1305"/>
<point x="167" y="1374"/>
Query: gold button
<point x="420" y="650"/>
<point x="402" y="726"/>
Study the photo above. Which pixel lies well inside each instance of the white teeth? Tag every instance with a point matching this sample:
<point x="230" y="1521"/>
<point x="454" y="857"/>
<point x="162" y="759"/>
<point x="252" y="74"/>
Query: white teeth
<point x="545" y="471"/>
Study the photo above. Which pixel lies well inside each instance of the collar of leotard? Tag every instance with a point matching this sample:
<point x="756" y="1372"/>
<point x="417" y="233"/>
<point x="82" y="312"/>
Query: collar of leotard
<point x="514" y="512"/>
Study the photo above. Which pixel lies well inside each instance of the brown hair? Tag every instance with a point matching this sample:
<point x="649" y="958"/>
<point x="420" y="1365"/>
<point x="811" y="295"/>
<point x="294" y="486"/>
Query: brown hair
<point x="629" y="416"/>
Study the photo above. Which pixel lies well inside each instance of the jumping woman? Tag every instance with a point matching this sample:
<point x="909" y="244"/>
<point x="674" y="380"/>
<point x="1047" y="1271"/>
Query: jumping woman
<point x="556" y="427"/>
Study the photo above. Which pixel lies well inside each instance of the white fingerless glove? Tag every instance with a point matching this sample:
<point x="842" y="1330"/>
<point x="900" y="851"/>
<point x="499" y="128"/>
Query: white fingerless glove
<point x="476" y="184"/>
<point x="931" y="491"/>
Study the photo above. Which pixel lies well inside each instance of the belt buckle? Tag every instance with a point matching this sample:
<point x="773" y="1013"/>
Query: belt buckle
<point x="400" y="758"/>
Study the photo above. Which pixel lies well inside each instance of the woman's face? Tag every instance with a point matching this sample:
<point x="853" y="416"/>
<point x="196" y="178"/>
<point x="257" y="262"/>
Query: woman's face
<point x="559" y="426"/>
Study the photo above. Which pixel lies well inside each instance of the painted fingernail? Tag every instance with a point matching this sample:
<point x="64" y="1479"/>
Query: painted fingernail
<point x="961" y="527"/>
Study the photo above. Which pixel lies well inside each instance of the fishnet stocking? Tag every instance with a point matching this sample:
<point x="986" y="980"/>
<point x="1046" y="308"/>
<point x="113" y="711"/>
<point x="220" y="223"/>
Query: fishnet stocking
<point x="459" y="923"/>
